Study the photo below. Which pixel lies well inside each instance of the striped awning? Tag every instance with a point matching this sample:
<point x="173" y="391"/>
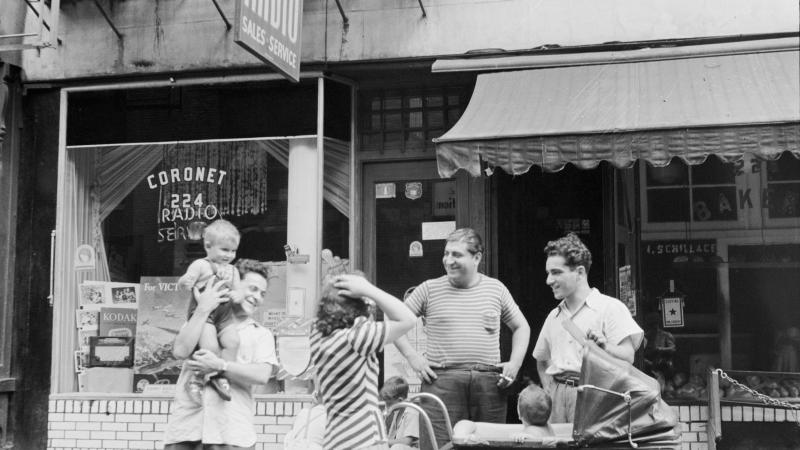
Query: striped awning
<point x="653" y="110"/>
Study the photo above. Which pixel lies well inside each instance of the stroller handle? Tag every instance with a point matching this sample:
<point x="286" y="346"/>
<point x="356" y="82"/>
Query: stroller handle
<point x="442" y="406"/>
<point x="422" y="413"/>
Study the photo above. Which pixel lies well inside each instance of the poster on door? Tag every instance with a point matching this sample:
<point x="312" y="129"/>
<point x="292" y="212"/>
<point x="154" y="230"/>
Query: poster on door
<point x="626" y="293"/>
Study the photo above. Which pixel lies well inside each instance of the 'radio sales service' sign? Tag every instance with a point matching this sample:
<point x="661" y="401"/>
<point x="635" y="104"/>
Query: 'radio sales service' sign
<point x="271" y="30"/>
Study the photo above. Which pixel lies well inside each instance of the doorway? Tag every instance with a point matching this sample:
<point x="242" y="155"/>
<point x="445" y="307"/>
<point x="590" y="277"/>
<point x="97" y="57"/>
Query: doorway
<point x="533" y="209"/>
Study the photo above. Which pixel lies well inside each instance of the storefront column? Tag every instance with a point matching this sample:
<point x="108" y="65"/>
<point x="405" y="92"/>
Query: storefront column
<point x="302" y="223"/>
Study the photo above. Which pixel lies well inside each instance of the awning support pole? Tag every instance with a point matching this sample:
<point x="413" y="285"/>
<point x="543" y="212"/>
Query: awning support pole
<point x="228" y="25"/>
<point x="422" y="7"/>
<point x="345" y="22"/>
<point x="108" y="19"/>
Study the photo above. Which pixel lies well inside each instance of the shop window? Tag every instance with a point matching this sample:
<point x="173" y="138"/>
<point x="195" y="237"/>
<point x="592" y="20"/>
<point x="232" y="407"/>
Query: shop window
<point x="783" y="188"/>
<point x="695" y="194"/>
<point x="135" y="222"/>
<point x="407" y="121"/>
<point x="764" y="281"/>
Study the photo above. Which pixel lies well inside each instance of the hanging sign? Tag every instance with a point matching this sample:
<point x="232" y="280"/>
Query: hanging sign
<point x="271" y="30"/>
<point x="672" y="311"/>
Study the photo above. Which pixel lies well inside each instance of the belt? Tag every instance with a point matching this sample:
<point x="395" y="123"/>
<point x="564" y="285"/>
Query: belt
<point x="570" y="379"/>
<point x="471" y="366"/>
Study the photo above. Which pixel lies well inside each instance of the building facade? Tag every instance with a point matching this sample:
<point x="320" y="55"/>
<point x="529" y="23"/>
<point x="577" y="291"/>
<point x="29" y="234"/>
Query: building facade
<point x="137" y="120"/>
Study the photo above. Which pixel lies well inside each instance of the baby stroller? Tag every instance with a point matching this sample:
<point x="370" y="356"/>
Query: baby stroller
<point x="618" y="407"/>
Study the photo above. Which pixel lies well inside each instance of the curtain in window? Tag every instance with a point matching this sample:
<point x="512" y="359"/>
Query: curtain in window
<point x="96" y="180"/>
<point x="336" y="174"/>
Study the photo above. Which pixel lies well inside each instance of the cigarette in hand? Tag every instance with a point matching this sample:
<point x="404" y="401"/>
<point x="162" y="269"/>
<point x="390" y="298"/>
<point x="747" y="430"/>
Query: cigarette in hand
<point x="507" y="378"/>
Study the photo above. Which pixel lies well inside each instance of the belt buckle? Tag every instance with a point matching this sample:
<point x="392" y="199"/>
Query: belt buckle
<point x="570" y="382"/>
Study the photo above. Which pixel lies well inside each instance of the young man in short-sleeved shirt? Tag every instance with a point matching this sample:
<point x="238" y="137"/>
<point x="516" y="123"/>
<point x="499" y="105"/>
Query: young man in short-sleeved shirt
<point x="604" y="319"/>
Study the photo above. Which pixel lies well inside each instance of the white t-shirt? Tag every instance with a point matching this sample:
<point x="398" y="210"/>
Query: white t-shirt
<point x="217" y="421"/>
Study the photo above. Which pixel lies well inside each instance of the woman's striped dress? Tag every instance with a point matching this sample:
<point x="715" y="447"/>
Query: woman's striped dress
<point x="347" y="370"/>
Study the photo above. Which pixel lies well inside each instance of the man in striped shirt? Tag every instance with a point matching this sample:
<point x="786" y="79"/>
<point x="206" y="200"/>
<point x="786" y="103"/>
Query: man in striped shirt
<point x="463" y="311"/>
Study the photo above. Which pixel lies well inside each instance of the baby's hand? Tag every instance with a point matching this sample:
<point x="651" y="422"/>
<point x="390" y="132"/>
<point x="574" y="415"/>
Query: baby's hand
<point x="519" y="438"/>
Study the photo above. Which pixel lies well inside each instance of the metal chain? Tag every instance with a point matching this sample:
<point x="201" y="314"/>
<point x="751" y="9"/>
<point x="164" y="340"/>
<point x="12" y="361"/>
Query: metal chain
<point x="766" y="399"/>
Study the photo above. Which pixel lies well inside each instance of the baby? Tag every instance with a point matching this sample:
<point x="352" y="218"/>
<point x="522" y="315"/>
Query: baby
<point x="403" y="429"/>
<point x="533" y="408"/>
<point x="221" y="240"/>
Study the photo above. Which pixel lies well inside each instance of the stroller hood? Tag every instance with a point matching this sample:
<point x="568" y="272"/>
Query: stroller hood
<point x="602" y="416"/>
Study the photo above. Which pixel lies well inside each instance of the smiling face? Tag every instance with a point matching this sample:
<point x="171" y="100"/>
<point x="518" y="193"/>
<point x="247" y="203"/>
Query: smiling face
<point x="562" y="279"/>
<point x="253" y="290"/>
<point x="461" y="265"/>
<point x="222" y="251"/>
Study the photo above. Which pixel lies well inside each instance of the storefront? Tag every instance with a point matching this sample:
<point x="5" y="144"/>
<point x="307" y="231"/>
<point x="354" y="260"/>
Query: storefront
<point x="695" y="154"/>
<point x="604" y="138"/>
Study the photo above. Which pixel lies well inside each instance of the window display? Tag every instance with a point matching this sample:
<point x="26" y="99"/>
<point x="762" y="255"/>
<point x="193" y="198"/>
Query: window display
<point x="140" y="211"/>
<point x="732" y="280"/>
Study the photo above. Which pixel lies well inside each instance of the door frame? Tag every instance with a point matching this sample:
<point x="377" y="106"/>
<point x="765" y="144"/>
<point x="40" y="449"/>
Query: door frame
<point x="470" y="200"/>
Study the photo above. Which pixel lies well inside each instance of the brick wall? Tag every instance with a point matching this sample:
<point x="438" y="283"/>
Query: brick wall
<point x="78" y="422"/>
<point x="693" y="420"/>
<point x="133" y="422"/>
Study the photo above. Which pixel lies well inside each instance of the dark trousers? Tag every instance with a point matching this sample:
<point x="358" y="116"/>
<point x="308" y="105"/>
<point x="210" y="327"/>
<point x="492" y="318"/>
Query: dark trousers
<point x="470" y="392"/>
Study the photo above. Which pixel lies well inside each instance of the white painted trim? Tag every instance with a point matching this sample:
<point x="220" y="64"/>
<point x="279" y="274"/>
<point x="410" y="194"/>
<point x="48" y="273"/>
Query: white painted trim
<point x="519" y="62"/>
<point x="195" y="141"/>
<point x="188" y="81"/>
<point x="61" y="327"/>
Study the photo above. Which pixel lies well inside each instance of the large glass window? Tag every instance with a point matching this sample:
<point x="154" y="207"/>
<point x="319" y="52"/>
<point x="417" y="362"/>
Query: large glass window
<point x="719" y="286"/>
<point x="132" y="216"/>
<point x="702" y="193"/>
<point x="783" y="187"/>
<point x="407" y="120"/>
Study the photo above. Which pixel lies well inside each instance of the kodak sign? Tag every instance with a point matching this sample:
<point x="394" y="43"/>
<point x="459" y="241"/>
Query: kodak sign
<point x="271" y="30"/>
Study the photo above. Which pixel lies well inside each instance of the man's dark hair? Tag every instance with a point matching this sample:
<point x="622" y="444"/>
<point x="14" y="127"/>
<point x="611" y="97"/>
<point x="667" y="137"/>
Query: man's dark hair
<point x="572" y="249"/>
<point x="338" y="311"/>
<point x="245" y="266"/>
<point x="469" y="237"/>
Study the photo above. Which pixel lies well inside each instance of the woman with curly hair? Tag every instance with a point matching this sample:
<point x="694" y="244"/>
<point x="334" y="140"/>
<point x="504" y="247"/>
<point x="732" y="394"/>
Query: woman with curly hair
<point x="344" y="346"/>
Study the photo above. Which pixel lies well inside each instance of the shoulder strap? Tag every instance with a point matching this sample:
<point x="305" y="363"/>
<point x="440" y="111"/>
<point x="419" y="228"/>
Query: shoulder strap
<point x="573" y="329"/>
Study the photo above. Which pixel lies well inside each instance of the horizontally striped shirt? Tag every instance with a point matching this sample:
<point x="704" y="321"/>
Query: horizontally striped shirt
<point x="347" y="367"/>
<point x="463" y="325"/>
